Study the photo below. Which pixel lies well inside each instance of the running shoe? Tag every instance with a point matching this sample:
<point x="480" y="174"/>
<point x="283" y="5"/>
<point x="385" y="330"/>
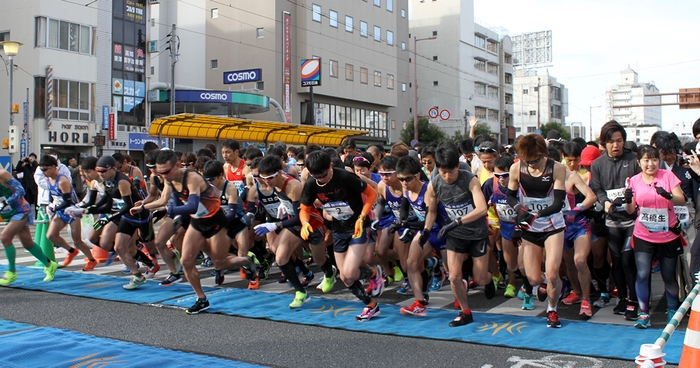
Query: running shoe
<point x="572" y="299"/>
<point x="127" y="271"/>
<point x="621" y="307"/>
<point x="437" y="282"/>
<point x="405" y="288"/>
<point x="497" y="280"/>
<point x="602" y="301"/>
<point x="553" y="319"/>
<point x="542" y="292"/>
<point x="306" y="280"/>
<point x="405" y="235"/>
<point x="585" y="309"/>
<point x="199" y="258"/>
<point x="521" y="293"/>
<point x="613" y="294"/>
<point x="282" y="279"/>
<point x="173" y="278"/>
<point x="254" y="284"/>
<point x="510" y="291"/>
<point x="69" y="257"/>
<point x="462" y="319"/>
<point x="50" y="270"/>
<point x="655" y="266"/>
<point x="328" y="282"/>
<point x="176" y="260"/>
<point x="632" y="311"/>
<point x="207" y="262"/>
<point x="219" y="277"/>
<point x="377" y="281"/>
<point x="110" y="258"/>
<point x="199" y="306"/>
<point x="151" y="271"/>
<point x="299" y="300"/>
<point x="416" y="309"/>
<point x="669" y="315"/>
<point x="251" y="269"/>
<point x="398" y="275"/>
<point x="264" y="270"/>
<point x="643" y="321"/>
<point x="8" y="278"/>
<point x="367" y="313"/>
<point x="490" y="289"/>
<point x="528" y="303"/>
<point x="90" y="265"/>
<point x="134" y="282"/>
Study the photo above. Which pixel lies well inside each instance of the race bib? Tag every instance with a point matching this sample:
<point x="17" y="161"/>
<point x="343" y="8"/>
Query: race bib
<point x="240" y="185"/>
<point x="614" y="194"/>
<point x="272" y="208"/>
<point x="683" y="216"/>
<point x="537" y="204"/>
<point x="340" y="211"/>
<point x="654" y="219"/>
<point x="505" y="212"/>
<point x="458" y="210"/>
<point x="201" y="211"/>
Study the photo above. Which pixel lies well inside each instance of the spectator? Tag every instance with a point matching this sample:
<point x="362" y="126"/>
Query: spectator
<point x="43" y="183"/>
<point x="78" y="184"/>
<point x="25" y="174"/>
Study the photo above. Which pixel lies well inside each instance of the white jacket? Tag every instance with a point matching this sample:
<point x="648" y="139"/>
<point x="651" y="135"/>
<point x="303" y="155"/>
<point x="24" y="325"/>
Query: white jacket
<point x="42" y="183"/>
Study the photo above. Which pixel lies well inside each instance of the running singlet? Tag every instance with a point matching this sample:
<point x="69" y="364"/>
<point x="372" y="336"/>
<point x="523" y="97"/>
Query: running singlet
<point x="341" y="197"/>
<point x="499" y="201"/>
<point x="224" y="203"/>
<point x="112" y="190"/>
<point x="421" y="209"/>
<point x="209" y="202"/>
<point x="484" y="175"/>
<point x="394" y="205"/>
<point x="237" y="177"/>
<point x="538" y="196"/>
<point x="459" y="202"/>
<point x="142" y="183"/>
<point x="273" y="201"/>
<point x="656" y="213"/>
<point x="56" y="193"/>
<point x="21" y="206"/>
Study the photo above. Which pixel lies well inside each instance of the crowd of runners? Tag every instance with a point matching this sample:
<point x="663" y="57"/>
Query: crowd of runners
<point x="568" y="219"/>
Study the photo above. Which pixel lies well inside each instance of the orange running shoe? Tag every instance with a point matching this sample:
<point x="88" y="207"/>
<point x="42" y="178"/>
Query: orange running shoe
<point x="90" y="265"/>
<point x="254" y="284"/>
<point x="69" y="257"/>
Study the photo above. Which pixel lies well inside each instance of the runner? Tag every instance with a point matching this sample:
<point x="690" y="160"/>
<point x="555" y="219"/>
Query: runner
<point x="539" y="182"/>
<point x="340" y="192"/>
<point x="17" y="212"/>
<point x="467" y="233"/>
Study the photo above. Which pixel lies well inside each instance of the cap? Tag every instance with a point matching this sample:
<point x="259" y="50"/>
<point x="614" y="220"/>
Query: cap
<point x="106" y="161"/>
<point x="553" y="135"/>
<point x="588" y="155"/>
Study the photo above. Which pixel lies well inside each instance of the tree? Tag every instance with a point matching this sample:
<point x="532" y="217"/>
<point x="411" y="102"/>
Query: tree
<point x="427" y="133"/>
<point x="480" y="128"/>
<point x="555" y="126"/>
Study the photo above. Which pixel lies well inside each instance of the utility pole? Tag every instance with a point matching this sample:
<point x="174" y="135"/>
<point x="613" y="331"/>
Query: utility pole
<point x="415" y="84"/>
<point x="174" y="47"/>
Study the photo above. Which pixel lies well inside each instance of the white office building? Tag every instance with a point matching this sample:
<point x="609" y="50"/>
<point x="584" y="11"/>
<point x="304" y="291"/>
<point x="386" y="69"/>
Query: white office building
<point x="630" y="91"/>
<point x="538" y="100"/>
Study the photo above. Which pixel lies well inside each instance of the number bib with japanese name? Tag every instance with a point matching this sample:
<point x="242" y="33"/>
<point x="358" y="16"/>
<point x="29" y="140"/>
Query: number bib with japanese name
<point x="340" y="211"/>
<point x="614" y="194"/>
<point x="654" y="219"/>
<point x="683" y="216"/>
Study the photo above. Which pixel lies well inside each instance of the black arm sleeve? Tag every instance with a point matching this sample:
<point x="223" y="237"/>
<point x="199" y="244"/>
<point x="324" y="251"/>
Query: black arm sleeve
<point x="294" y="221"/>
<point x="379" y="207"/>
<point x="405" y="207"/>
<point x="128" y="204"/>
<point x="91" y="197"/>
<point x="67" y="202"/>
<point x="103" y="206"/>
<point x="557" y="205"/>
<point x="415" y="225"/>
<point x="250" y="207"/>
<point x="512" y="197"/>
<point x="694" y="175"/>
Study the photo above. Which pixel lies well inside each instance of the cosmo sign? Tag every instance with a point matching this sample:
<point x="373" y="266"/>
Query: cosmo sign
<point x="243" y="76"/>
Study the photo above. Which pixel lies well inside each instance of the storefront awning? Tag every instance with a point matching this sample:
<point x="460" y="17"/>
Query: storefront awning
<point x="207" y="127"/>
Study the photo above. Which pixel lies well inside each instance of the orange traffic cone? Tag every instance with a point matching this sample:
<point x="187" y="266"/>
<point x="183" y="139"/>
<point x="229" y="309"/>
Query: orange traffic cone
<point x="650" y="355"/>
<point x="690" y="356"/>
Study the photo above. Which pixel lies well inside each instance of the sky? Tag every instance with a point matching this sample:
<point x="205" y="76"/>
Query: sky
<point x="593" y="40"/>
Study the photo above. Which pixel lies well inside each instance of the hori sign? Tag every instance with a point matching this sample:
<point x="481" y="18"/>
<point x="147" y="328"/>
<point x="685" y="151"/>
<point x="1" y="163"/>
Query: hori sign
<point x="70" y="134"/>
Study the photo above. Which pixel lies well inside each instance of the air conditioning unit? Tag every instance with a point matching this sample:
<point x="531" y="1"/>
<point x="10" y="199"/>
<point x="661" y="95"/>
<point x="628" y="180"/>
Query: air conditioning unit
<point x="144" y="130"/>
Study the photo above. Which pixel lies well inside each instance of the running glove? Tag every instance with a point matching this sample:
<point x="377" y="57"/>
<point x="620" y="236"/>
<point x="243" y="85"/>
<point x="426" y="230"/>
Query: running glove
<point x="394" y="227"/>
<point x="447" y="228"/>
<point x="262" y="229"/>
<point x="249" y="217"/>
<point x="619" y="201"/>
<point x="306" y="229"/>
<point x="628" y="195"/>
<point x="423" y="237"/>
<point x="177" y="221"/>
<point x="571" y="215"/>
<point x="99" y="224"/>
<point x="525" y="218"/>
<point x="676" y="229"/>
<point x="359" y="227"/>
<point x="159" y="214"/>
<point x="662" y="192"/>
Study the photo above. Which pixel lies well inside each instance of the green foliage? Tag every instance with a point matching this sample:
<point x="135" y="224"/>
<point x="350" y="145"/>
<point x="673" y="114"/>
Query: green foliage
<point x="482" y="128"/>
<point x="555" y="126"/>
<point x="427" y="133"/>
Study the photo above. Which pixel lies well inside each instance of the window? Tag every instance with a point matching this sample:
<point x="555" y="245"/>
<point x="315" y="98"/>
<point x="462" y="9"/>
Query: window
<point x="316" y="13"/>
<point x="63" y="35"/>
<point x="479" y="41"/>
<point x="531" y="129"/>
<point x="536" y="89"/>
<point x="390" y="5"/>
<point x="435" y="83"/>
<point x="377" y="34"/>
<point x="480" y="65"/>
<point x="39" y="97"/>
<point x="214" y="13"/>
<point x="260" y="32"/>
<point x="525" y="91"/>
<point x="363" y="29"/>
<point x="333" y="18"/>
<point x="333" y="68"/>
<point x="214" y="63"/>
<point x="435" y="57"/>
<point x="349" y="72"/>
<point x="153" y="70"/>
<point x="508" y="58"/>
<point x="348" y="117"/>
<point x="364" y="76"/>
<point x="403" y="13"/>
<point x="480" y="88"/>
<point x="508" y="78"/>
<point x="403" y="87"/>
<point x="348" y="24"/>
<point x="377" y="78"/>
<point x="493" y="92"/>
<point x="492" y="46"/>
<point x="378" y="3"/>
<point x="72" y="100"/>
<point x="480" y="112"/>
<point x="493" y="115"/>
<point x="403" y="46"/>
<point x="390" y="38"/>
<point x="533" y="112"/>
<point x="434" y="33"/>
<point x="492" y="68"/>
<point x="260" y="86"/>
<point x="509" y="98"/>
<point x="390" y="81"/>
<point x="4" y="36"/>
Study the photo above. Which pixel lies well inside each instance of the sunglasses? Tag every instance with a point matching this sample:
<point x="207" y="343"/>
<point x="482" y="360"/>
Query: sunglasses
<point x="269" y="177"/>
<point x="256" y="175"/>
<point x="321" y="176"/>
<point x="360" y="159"/>
<point x="407" y="179"/>
<point x="248" y="163"/>
<point x="387" y="173"/>
<point x="43" y="169"/>
<point x="533" y="162"/>
<point x="211" y="179"/>
<point x="502" y="175"/>
<point x="487" y="150"/>
<point x="102" y="171"/>
<point x="185" y="164"/>
<point x="151" y="166"/>
<point x="166" y="172"/>
<point x="300" y="164"/>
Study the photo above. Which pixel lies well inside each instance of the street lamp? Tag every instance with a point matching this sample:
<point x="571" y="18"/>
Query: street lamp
<point x="415" y="85"/>
<point x="11" y="49"/>
<point x="590" y="122"/>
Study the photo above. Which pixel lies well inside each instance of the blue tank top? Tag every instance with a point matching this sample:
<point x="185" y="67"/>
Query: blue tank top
<point x="505" y="212"/>
<point x="224" y="202"/>
<point x="421" y="208"/>
<point x="56" y="193"/>
<point x="393" y="204"/>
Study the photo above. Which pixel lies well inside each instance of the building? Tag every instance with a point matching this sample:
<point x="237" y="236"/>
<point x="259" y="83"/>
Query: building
<point x="462" y="67"/>
<point x="630" y="92"/>
<point x="577" y="129"/>
<point x="538" y="100"/>
<point x="641" y="133"/>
